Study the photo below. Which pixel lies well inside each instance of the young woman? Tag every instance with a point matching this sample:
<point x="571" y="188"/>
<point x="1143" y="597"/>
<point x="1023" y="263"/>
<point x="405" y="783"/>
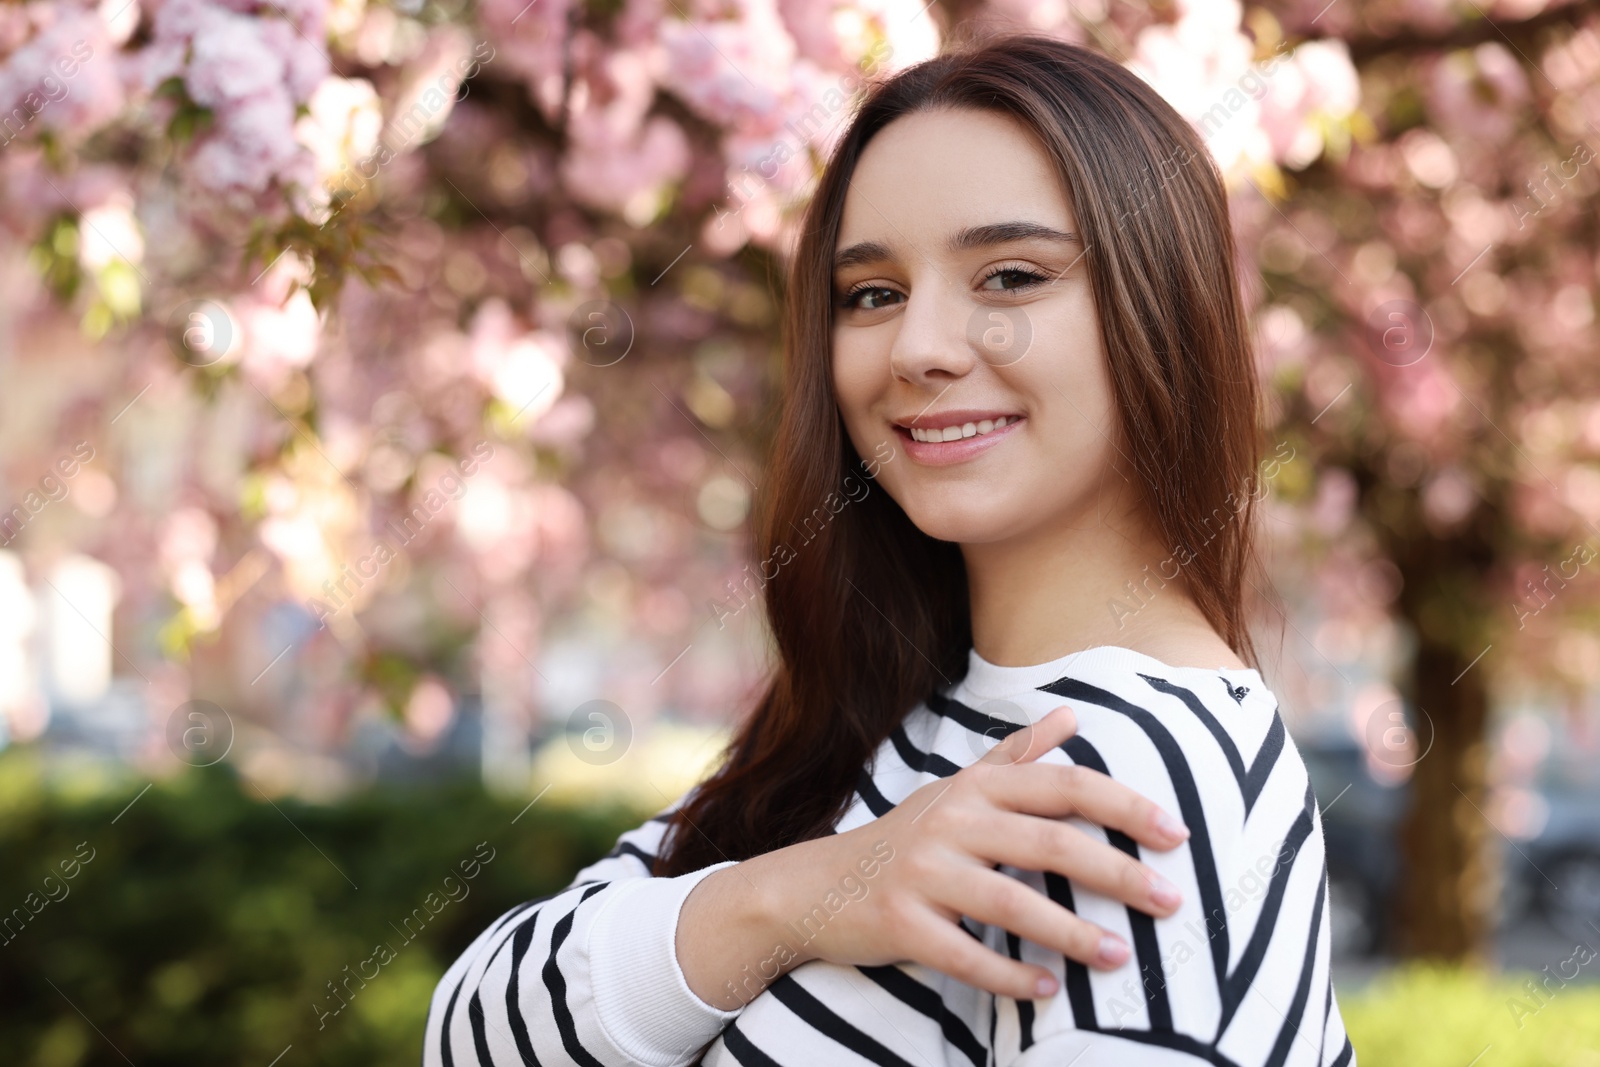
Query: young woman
<point x="1013" y="796"/>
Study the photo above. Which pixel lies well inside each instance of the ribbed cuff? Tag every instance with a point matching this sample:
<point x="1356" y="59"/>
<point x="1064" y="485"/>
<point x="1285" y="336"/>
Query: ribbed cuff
<point x="643" y="1002"/>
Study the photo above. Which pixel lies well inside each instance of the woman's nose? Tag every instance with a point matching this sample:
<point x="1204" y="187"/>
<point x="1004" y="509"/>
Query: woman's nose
<point x="933" y="338"/>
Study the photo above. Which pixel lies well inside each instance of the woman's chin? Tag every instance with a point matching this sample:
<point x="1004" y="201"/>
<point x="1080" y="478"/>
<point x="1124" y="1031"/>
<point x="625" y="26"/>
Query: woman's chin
<point x="979" y="524"/>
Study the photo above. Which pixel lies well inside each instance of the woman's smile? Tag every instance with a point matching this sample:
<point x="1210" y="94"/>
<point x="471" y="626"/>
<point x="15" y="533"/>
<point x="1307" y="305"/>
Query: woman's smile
<point x="954" y="437"/>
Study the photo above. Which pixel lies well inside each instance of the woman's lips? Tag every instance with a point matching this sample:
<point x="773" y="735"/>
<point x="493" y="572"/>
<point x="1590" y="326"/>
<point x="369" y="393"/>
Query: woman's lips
<point x="945" y="453"/>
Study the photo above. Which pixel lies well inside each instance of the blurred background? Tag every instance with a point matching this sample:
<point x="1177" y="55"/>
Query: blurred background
<point x="382" y="390"/>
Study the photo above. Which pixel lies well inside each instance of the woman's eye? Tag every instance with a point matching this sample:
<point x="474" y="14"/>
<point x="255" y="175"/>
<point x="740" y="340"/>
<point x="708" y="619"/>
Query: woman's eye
<point x="853" y="299"/>
<point x="1027" y="278"/>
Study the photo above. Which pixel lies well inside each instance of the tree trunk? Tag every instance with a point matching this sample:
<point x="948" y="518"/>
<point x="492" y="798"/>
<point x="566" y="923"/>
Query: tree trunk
<point x="1449" y="880"/>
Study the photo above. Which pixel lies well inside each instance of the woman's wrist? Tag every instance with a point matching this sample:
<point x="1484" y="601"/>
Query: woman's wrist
<point x="731" y="942"/>
<point x="783" y="877"/>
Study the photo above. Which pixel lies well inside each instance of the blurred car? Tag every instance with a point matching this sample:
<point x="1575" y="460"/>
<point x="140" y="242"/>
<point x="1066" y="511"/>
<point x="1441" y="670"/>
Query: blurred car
<point x="1548" y="833"/>
<point x="1553" y="865"/>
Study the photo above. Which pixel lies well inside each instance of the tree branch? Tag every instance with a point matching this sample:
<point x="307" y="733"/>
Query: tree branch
<point x="1467" y="34"/>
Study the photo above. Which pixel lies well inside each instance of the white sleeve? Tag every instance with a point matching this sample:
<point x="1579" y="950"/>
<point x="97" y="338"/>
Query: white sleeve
<point x="587" y="977"/>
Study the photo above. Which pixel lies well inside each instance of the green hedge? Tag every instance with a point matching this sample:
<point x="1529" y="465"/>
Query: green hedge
<point x="1425" y="1016"/>
<point x="206" y="925"/>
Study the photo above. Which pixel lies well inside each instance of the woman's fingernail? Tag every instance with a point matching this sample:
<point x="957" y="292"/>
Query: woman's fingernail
<point x="1113" y="951"/>
<point x="1164" y="892"/>
<point x="1171" y="827"/>
<point x="1045" y="986"/>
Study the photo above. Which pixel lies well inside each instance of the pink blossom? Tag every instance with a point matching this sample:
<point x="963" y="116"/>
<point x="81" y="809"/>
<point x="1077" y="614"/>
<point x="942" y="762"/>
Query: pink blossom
<point x="262" y="126"/>
<point x="1282" y="339"/>
<point x="343" y="124"/>
<point x="531" y="39"/>
<point x="614" y="159"/>
<point x="1475" y="94"/>
<point x="308" y="16"/>
<point x="811" y="24"/>
<point x="1421" y="398"/>
<point x="251" y="67"/>
<point x="609" y="172"/>
<point x="731" y="72"/>
<point x="33" y="194"/>
<point x="636" y="24"/>
<point x="109" y="233"/>
<point x="189" y="534"/>
<point x="278" y="339"/>
<point x="1315" y="81"/>
<point x="1331" y="83"/>
<point x="524" y="370"/>
<point x="232" y="59"/>
<point x="252" y="141"/>
<point x="64" y="79"/>
<point x="1334" y="505"/>
<point x="1448" y="497"/>
<point x="15" y="27"/>
<point x="837" y="34"/>
<point x="1572" y="63"/>
<point x="305" y="64"/>
<point x="177" y="20"/>
<point x="561" y="526"/>
<point x="146" y="69"/>
<point x="568" y="421"/>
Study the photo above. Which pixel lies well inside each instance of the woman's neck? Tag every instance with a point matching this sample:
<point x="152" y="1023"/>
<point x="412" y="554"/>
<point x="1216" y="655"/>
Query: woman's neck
<point x="1103" y="580"/>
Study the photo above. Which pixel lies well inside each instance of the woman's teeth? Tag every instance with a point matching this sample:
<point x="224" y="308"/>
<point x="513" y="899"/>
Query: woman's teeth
<point x="955" y="433"/>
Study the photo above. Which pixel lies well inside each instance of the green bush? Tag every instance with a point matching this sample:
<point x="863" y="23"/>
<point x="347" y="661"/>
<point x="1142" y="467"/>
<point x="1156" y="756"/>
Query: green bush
<point x="209" y="926"/>
<point x="1428" y="1016"/>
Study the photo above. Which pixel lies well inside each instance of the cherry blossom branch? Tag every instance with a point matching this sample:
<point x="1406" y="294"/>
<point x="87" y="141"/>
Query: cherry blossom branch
<point x="1465" y="35"/>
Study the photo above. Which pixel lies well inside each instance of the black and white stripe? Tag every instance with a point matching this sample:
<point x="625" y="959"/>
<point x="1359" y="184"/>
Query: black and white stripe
<point x="1240" y="975"/>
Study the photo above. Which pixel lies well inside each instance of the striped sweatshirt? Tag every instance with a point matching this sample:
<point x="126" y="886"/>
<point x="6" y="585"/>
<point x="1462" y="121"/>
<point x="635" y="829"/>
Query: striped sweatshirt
<point x="1238" y="975"/>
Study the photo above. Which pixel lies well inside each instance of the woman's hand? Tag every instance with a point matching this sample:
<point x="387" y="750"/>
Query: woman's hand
<point x="931" y="861"/>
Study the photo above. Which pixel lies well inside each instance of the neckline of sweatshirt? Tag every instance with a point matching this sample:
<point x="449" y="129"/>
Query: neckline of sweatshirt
<point x="992" y="681"/>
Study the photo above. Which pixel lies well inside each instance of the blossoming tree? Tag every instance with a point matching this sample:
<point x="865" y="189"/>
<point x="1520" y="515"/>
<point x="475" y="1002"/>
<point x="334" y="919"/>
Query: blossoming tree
<point x="405" y="337"/>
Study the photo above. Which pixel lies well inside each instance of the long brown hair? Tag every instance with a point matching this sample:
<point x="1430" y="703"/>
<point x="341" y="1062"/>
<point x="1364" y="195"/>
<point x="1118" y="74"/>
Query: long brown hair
<point x="869" y="614"/>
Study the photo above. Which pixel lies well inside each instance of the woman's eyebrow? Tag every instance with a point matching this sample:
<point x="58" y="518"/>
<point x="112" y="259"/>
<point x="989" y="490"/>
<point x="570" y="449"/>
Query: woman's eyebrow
<point x="964" y="239"/>
<point x="860" y="253"/>
<point x="995" y="233"/>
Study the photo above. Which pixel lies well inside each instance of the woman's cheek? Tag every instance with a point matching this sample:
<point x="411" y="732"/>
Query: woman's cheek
<point x="853" y="388"/>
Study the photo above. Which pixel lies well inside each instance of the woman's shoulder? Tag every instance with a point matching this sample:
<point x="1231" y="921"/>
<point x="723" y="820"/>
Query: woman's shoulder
<point x="1212" y="726"/>
<point x="1219" y="691"/>
<point x="1192" y="663"/>
<point x="1185" y="705"/>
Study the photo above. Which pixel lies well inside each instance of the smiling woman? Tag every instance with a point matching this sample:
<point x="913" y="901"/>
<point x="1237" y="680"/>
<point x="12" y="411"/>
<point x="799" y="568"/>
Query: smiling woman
<point x="1068" y="799"/>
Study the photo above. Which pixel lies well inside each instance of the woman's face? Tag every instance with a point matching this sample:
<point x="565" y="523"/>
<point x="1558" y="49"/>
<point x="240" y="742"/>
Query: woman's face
<point x="949" y="312"/>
